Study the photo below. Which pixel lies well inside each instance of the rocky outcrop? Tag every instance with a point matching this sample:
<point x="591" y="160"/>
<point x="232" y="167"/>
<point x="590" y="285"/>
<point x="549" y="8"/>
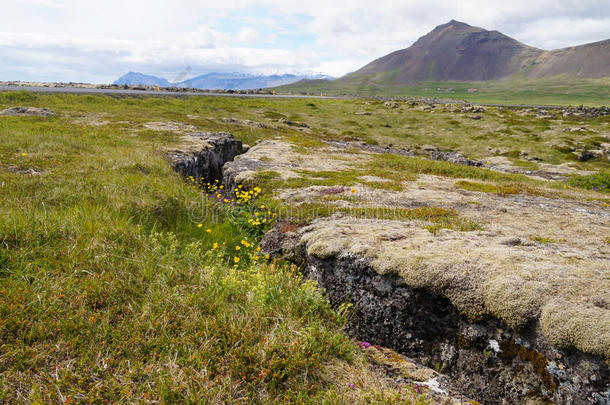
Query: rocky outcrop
<point x="237" y="171"/>
<point x="205" y="154"/>
<point x="453" y="157"/>
<point x="28" y="111"/>
<point x="486" y="359"/>
<point x="506" y="316"/>
<point x="585" y="112"/>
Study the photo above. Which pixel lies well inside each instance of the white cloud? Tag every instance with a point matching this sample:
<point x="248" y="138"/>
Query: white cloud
<point x="553" y="33"/>
<point x="106" y="38"/>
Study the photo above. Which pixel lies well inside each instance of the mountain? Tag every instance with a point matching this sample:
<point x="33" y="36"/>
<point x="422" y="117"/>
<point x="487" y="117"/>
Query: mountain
<point x="218" y="81"/>
<point x="459" y="52"/>
<point x="134" y="78"/>
<point x="590" y="60"/>
<point x="240" y="81"/>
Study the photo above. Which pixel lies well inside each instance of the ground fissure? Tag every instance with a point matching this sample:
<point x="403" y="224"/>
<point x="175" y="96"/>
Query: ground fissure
<point x="446" y="324"/>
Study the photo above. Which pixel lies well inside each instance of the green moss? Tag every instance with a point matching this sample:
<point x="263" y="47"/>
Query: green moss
<point x="540" y="239"/>
<point x="572" y="324"/>
<point x="440" y="218"/>
<point x="274" y="115"/>
<point x="501" y="189"/>
<point x="525" y="164"/>
<point x="107" y="241"/>
<point x="396" y="166"/>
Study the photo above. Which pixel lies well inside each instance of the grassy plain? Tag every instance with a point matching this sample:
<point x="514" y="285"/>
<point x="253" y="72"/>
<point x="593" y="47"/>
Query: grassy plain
<point x="553" y="91"/>
<point x="122" y="282"/>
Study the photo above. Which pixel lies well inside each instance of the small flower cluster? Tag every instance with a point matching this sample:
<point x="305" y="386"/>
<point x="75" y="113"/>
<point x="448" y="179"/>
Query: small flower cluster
<point x="600" y="188"/>
<point x="262" y="217"/>
<point x="243" y="252"/>
<point x="244" y="196"/>
<point x="252" y="218"/>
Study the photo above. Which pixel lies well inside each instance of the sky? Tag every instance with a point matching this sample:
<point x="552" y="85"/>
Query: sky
<point x="96" y="41"/>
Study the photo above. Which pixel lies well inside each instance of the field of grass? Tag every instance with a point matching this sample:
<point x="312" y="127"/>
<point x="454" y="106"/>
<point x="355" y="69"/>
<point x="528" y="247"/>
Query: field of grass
<point x="121" y="282"/>
<point x="553" y="91"/>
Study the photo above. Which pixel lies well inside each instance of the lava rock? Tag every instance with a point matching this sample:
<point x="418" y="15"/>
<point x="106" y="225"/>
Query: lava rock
<point x="28" y="111"/>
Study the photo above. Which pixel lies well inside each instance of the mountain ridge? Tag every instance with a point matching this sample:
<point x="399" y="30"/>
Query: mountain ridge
<point x="216" y="80"/>
<point x="457" y="51"/>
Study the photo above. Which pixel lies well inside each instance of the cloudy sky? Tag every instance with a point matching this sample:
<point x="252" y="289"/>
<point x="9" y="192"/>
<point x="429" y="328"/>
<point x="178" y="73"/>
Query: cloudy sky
<point x="98" y="41"/>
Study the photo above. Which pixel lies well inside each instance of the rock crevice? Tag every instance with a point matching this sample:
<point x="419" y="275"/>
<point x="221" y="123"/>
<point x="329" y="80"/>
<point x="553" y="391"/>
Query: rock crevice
<point x="427" y="319"/>
<point x="486" y="360"/>
<point x="205" y="154"/>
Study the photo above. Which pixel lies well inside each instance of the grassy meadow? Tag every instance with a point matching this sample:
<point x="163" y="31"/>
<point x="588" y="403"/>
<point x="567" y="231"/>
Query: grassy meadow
<point x="558" y="91"/>
<point x="121" y="282"/>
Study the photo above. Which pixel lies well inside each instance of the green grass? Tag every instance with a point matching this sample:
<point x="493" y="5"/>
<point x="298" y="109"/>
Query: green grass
<point x="599" y="181"/>
<point x="440" y="218"/>
<point x="396" y="166"/>
<point x="111" y="292"/>
<point x="397" y="169"/>
<point x="498" y="132"/>
<point x="501" y="189"/>
<point x="541" y="239"/>
<point x="549" y="91"/>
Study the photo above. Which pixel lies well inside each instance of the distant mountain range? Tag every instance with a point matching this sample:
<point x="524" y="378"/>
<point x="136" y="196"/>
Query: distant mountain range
<point x="218" y="81"/>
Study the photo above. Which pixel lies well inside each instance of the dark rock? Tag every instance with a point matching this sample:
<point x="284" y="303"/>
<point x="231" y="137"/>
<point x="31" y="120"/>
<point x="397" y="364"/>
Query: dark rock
<point x="293" y="123"/>
<point x="371" y="148"/>
<point x="586" y="155"/>
<point x="453" y="157"/>
<point x="232" y="168"/>
<point x="512" y="242"/>
<point x="206" y="158"/>
<point x="486" y="360"/>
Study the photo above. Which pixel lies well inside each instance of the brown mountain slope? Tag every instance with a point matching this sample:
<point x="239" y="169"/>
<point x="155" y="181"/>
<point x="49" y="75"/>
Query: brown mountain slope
<point x="459" y="52"/>
<point x="590" y="60"/>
